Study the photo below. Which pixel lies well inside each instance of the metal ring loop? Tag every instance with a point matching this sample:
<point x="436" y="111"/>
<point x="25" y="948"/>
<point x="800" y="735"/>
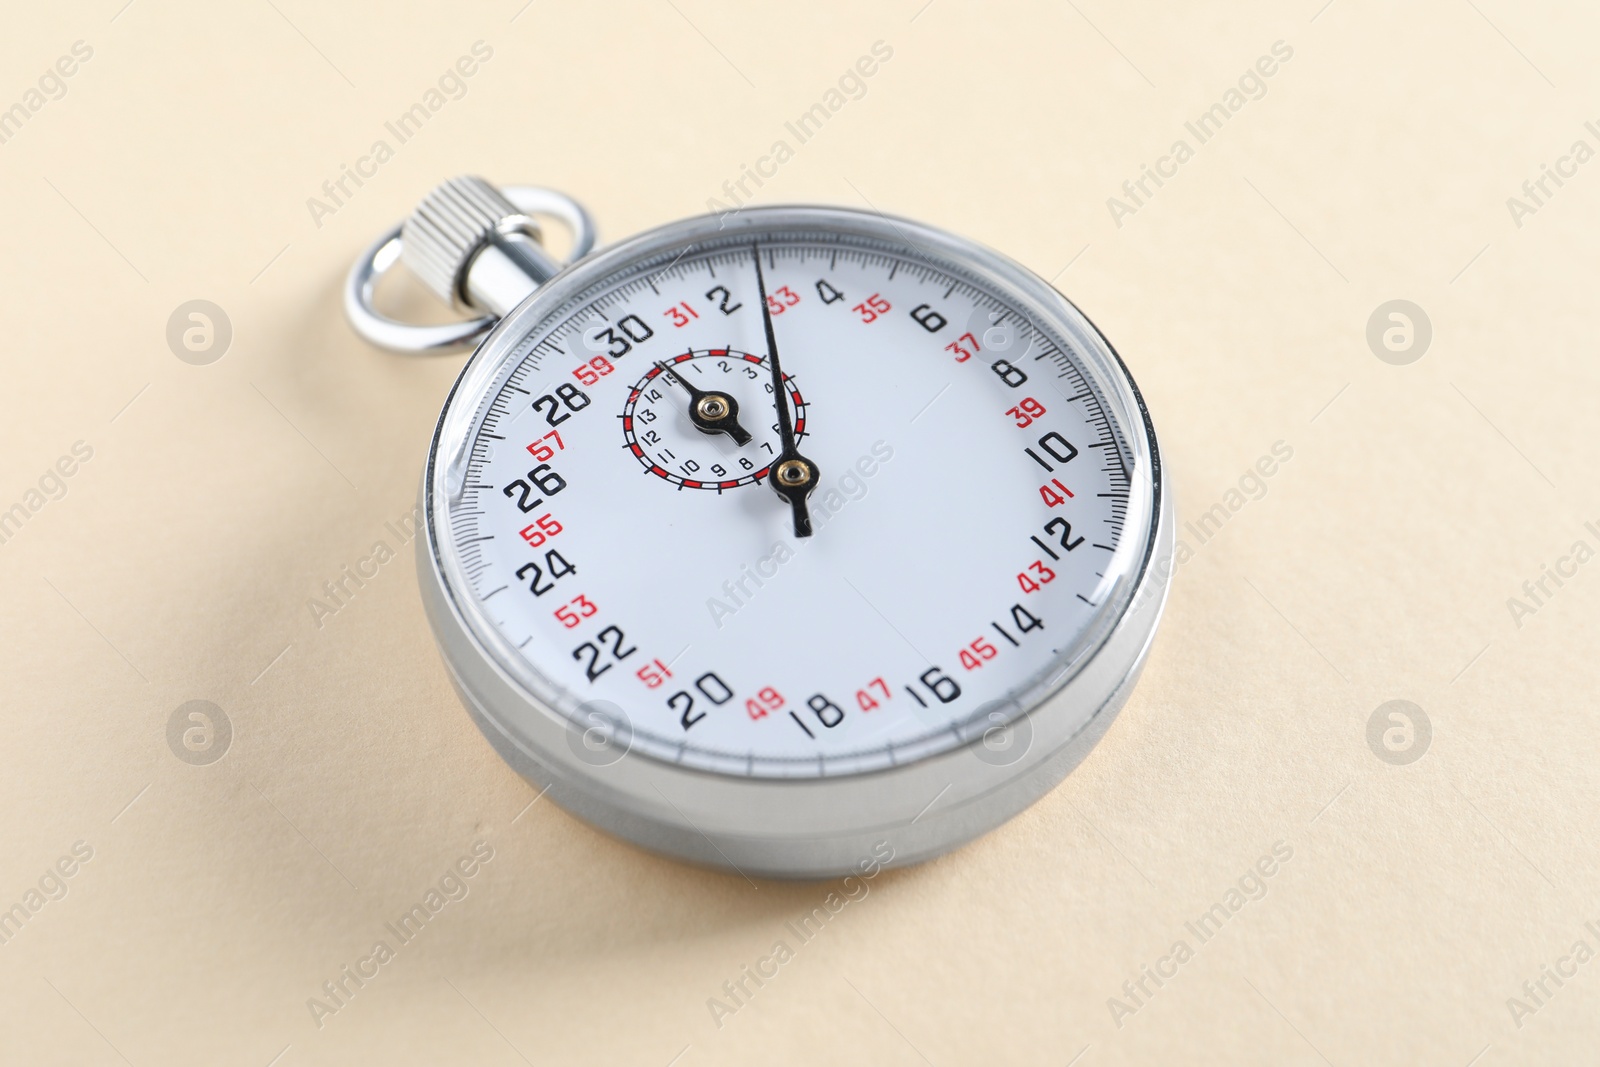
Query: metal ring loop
<point x="384" y="253"/>
<point x="535" y="200"/>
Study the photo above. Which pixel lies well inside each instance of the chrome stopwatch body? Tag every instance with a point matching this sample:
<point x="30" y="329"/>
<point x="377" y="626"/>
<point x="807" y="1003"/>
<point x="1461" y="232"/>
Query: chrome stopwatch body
<point x="640" y="622"/>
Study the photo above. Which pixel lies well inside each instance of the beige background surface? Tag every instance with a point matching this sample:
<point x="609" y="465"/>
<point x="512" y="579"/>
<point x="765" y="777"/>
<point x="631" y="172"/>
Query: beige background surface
<point x="219" y="498"/>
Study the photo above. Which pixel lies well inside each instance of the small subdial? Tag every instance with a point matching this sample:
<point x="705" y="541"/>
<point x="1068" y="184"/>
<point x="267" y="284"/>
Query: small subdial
<point x="658" y="429"/>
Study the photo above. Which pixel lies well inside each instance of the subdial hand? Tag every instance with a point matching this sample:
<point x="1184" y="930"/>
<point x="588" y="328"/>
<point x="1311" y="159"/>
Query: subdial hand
<point x="793" y="476"/>
<point x="710" y="411"/>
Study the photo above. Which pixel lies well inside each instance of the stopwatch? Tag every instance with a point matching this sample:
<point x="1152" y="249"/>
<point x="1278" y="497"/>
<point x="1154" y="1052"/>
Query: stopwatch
<point x="789" y="541"/>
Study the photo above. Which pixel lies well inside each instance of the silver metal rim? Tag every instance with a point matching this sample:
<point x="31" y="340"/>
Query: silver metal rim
<point x="787" y="827"/>
<point x="410" y="337"/>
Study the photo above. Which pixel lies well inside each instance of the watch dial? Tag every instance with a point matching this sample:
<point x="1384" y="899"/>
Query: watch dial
<point x="611" y="513"/>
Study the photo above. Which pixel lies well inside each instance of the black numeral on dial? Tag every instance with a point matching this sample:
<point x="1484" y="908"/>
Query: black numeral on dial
<point x="549" y="482"/>
<point x="1012" y="376"/>
<point x="943" y="687"/>
<point x="596" y="650"/>
<point x="928" y="318"/>
<point x="711" y="687"/>
<point x="720" y="294"/>
<point x="534" y="575"/>
<point x="567" y="394"/>
<point x="827" y="292"/>
<point x="1057" y="447"/>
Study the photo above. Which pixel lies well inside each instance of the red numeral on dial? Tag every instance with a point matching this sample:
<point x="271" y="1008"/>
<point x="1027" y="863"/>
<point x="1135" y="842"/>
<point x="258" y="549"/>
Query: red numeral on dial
<point x="960" y="346"/>
<point x="680" y="314"/>
<point x="768" y="700"/>
<point x="594" y="370"/>
<point x="575" y="611"/>
<point x="782" y="299"/>
<point x="864" y="698"/>
<point x="542" y="529"/>
<point x="872" y="308"/>
<point x="1026" y="412"/>
<point x="541" y="451"/>
<point x="978" y="653"/>
<point x="653" y="674"/>
<point x="1042" y="575"/>
<point x="1053" y="497"/>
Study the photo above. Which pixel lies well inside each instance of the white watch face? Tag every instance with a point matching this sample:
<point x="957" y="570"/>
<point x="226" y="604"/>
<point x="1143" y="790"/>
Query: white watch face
<point x="981" y="501"/>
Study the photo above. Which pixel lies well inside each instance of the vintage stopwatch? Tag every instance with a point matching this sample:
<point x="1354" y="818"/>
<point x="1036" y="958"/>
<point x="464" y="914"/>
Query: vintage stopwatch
<point x="789" y="541"/>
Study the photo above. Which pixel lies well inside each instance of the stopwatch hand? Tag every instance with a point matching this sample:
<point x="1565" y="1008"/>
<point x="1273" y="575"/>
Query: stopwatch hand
<point x="710" y="412"/>
<point x="792" y="476"/>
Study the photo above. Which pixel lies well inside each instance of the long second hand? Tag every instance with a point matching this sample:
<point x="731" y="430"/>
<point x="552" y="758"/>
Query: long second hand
<point x="793" y="476"/>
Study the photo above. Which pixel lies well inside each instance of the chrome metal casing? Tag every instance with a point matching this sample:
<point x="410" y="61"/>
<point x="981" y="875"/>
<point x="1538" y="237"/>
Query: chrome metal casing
<point x="801" y="828"/>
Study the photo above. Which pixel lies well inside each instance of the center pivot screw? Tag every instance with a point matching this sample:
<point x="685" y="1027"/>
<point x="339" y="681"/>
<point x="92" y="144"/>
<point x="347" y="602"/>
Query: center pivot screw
<point x="794" y="472"/>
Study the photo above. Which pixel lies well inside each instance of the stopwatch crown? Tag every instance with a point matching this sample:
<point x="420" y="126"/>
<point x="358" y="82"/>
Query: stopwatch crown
<point x="448" y="229"/>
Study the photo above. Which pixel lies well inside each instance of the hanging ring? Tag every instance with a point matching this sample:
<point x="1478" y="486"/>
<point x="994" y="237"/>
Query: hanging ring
<point x="384" y="253"/>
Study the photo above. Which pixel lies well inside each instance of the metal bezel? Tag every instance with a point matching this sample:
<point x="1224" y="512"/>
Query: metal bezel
<point x="794" y="827"/>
